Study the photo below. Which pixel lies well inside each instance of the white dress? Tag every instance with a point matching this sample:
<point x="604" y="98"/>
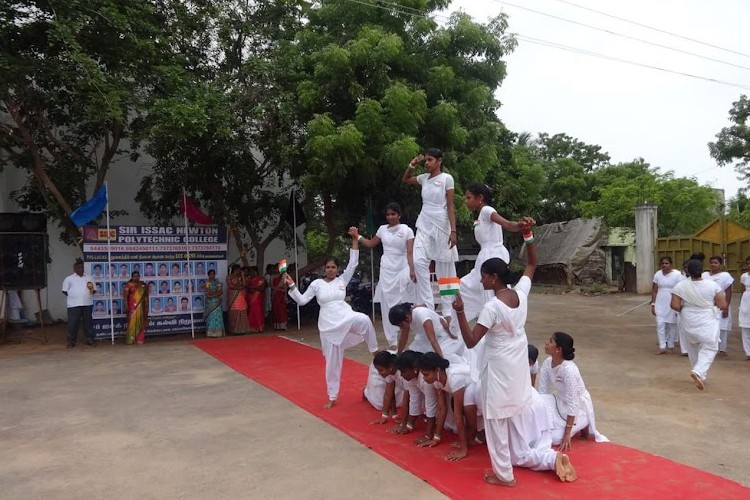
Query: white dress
<point x="394" y="285"/>
<point x="340" y="326"/>
<point x="743" y="318"/>
<point x="432" y="240"/>
<point x="336" y="315"/>
<point x="724" y="280"/>
<point x="514" y="426"/>
<point x="375" y="388"/>
<point x="490" y="237"/>
<point x="504" y="365"/>
<point x="699" y="323"/>
<point x="453" y="349"/>
<point x="665" y="284"/>
<point x="565" y="394"/>
<point x="433" y="226"/>
<point x="422" y="396"/>
<point x="458" y="376"/>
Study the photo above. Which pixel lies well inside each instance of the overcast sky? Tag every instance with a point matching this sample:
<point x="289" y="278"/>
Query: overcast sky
<point x="629" y="110"/>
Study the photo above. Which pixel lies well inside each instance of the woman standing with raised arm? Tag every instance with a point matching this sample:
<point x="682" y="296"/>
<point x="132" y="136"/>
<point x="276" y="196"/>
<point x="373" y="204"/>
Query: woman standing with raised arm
<point x="395" y="284"/>
<point x="436" y="226"/>
<point x="340" y="326"/>
<point x="488" y="231"/>
<point x="504" y="368"/>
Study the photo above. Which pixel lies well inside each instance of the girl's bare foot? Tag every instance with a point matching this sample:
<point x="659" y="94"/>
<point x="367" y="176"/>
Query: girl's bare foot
<point x="564" y="469"/>
<point x="661" y="351"/>
<point x="329" y="404"/>
<point x="570" y="472"/>
<point x="491" y="478"/>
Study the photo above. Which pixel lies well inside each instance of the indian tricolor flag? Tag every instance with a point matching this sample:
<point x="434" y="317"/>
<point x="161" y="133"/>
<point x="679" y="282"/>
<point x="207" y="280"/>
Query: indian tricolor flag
<point x="282" y="266"/>
<point x="449" y="286"/>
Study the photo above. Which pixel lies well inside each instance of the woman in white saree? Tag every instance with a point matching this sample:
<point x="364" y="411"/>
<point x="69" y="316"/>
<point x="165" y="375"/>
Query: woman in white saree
<point x="699" y="303"/>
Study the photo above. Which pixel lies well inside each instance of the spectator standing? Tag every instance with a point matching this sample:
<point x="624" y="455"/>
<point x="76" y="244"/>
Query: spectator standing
<point x="78" y="288"/>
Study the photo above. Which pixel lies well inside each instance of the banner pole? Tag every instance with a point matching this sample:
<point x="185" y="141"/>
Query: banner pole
<point x="109" y="272"/>
<point x="296" y="257"/>
<point x="372" y="281"/>
<point x="187" y="256"/>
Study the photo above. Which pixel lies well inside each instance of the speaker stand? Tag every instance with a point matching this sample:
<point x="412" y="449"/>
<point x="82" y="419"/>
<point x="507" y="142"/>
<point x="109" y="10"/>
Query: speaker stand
<point x="5" y="307"/>
<point x="6" y="314"/>
<point x="41" y="313"/>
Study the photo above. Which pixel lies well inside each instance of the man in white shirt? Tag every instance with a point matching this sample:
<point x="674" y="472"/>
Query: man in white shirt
<point x="79" y="288"/>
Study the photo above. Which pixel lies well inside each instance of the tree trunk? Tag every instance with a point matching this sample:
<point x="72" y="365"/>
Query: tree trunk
<point x="37" y="168"/>
<point x="328" y="221"/>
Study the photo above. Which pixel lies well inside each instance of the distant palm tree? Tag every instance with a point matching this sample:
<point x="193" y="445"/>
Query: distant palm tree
<point x="526" y="139"/>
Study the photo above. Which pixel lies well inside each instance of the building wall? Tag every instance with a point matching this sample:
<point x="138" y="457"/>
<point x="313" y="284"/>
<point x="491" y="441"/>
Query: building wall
<point x="123" y="181"/>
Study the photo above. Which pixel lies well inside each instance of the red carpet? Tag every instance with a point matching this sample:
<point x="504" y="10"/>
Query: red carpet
<point x="605" y="470"/>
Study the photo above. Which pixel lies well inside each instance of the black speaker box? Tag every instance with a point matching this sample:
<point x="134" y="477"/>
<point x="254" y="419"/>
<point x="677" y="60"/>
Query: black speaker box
<point x="23" y="261"/>
<point x="22" y="222"/>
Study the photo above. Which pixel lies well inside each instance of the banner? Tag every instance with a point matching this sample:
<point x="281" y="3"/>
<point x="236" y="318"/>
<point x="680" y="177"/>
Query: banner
<point x="176" y="289"/>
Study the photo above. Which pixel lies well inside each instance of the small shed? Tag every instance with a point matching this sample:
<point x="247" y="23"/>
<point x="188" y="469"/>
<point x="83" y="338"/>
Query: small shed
<point x="570" y="253"/>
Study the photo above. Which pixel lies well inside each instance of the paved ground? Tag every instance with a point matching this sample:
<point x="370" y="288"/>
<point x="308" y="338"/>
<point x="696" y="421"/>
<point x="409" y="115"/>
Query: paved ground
<point x="166" y="421"/>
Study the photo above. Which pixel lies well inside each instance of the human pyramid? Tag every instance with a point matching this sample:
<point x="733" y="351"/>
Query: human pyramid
<point x="488" y="371"/>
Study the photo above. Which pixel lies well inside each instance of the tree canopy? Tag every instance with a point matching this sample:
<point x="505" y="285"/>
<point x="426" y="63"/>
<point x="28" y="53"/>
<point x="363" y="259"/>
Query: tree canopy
<point x="733" y="143"/>
<point x="380" y="85"/>
<point x="236" y="101"/>
<point x="73" y="78"/>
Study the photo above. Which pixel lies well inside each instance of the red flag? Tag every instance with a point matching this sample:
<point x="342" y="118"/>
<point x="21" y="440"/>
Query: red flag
<point x="191" y="210"/>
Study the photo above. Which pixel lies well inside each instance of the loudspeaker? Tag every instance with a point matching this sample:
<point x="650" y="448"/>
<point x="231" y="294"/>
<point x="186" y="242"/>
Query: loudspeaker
<point x="22" y="222"/>
<point x="23" y="261"/>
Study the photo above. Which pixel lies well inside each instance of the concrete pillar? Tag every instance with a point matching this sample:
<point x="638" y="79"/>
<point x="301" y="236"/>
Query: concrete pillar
<point x="645" y="246"/>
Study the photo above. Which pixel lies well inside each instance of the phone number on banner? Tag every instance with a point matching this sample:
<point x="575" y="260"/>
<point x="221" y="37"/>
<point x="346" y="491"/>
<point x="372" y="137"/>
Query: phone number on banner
<point x="98" y="248"/>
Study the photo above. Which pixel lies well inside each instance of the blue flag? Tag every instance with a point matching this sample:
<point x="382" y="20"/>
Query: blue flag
<point x="91" y="209"/>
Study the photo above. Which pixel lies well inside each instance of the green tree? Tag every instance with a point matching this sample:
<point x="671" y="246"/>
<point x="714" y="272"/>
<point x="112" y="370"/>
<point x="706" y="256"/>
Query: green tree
<point x="227" y="129"/>
<point x="74" y="76"/>
<point x="738" y="208"/>
<point x="557" y="176"/>
<point x="733" y="142"/>
<point x="381" y="84"/>
<point x="589" y="156"/>
<point x="684" y="206"/>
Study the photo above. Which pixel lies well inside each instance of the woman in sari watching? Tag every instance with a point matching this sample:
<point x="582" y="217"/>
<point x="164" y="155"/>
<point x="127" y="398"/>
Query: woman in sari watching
<point x="237" y="317"/>
<point x="256" y="287"/>
<point x="135" y="293"/>
<point x="279" y="290"/>
<point x="213" y="314"/>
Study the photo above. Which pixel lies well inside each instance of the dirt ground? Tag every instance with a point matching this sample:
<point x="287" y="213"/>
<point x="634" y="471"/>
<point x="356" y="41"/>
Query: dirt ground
<point x="126" y="421"/>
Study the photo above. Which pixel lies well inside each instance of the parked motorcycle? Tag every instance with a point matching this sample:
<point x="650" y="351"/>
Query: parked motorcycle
<point x="360" y="294"/>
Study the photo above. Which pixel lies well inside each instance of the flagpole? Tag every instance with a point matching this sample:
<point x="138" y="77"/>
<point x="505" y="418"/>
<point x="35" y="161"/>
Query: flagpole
<point x="372" y="263"/>
<point x="372" y="281"/>
<point x="109" y="270"/>
<point x="296" y="260"/>
<point x="187" y="255"/>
